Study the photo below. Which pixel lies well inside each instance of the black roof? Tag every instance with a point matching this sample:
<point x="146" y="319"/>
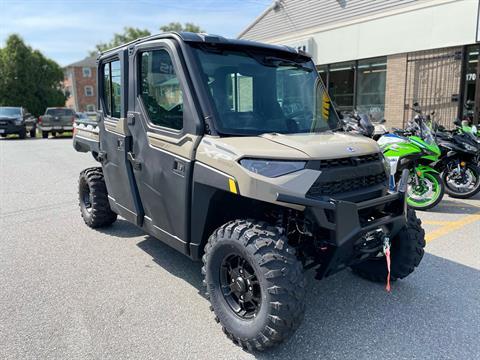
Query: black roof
<point x="207" y="39"/>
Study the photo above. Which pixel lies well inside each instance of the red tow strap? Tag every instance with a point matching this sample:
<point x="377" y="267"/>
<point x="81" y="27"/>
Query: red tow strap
<point x="386" y="251"/>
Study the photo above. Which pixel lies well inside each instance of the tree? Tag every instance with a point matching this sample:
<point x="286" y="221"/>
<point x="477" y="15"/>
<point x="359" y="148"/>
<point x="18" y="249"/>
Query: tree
<point x="129" y="34"/>
<point x="176" y="26"/>
<point x="29" y="79"/>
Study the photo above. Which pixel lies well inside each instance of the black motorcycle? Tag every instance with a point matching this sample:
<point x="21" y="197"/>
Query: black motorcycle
<point x="357" y="123"/>
<point x="458" y="163"/>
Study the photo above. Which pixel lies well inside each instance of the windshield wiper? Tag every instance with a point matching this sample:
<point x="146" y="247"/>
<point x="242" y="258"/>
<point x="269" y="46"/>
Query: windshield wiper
<point x="276" y="61"/>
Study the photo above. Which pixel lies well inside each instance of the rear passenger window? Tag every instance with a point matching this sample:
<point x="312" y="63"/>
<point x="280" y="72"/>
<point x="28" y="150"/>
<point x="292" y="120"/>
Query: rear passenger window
<point x="112" y="88"/>
<point x="160" y="90"/>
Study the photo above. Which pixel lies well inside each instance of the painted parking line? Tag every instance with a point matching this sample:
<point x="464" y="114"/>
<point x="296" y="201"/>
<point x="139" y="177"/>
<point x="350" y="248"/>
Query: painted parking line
<point x="451" y="226"/>
<point x="437" y="222"/>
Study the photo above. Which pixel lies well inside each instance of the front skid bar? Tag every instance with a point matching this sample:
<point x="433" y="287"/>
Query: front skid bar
<point x="343" y="220"/>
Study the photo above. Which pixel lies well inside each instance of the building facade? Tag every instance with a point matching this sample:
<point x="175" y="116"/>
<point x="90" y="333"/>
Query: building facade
<point x="382" y="56"/>
<point x="80" y="85"/>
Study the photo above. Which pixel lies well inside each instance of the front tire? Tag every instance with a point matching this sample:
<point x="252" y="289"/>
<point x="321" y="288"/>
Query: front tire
<point x="454" y="191"/>
<point x="23" y="133"/>
<point x="93" y="199"/>
<point x="432" y="180"/>
<point x="45" y="134"/>
<point x="407" y="251"/>
<point x="33" y="132"/>
<point x="264" y="304"/>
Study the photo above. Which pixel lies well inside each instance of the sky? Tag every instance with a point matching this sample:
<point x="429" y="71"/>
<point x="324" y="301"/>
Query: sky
<point x="67" y="30"/>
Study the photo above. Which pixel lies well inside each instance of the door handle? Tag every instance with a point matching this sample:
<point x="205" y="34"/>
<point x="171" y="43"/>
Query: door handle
<point x="179" y="167"/>
<point x="130" y="119"/>
<point x="137" y="165"/>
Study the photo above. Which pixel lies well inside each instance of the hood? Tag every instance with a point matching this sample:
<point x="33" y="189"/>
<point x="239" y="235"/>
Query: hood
<point x="326" y="145"/>
<point x="9" y="117"/>
<point x="297" y="146"/>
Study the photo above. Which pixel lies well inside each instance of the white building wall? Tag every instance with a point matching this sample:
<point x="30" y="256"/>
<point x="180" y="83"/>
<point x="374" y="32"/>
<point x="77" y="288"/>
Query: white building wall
<point x="425" y="25"/>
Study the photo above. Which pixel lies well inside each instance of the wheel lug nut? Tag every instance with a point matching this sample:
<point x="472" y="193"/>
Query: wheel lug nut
<point x="250" y="288"/>
<point x="241" y="271"/>
<point x="241" y="297"/>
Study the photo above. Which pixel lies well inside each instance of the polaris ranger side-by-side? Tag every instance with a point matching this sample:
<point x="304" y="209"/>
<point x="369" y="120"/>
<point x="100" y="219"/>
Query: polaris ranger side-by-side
<point x="231" y="152"/>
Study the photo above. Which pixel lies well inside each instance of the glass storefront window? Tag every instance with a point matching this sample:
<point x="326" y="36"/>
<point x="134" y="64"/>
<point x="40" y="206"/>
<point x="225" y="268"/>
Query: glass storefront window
<point x="470" y="81"/>
<point x="342" y="84"/>
<point x="371" y="82"/>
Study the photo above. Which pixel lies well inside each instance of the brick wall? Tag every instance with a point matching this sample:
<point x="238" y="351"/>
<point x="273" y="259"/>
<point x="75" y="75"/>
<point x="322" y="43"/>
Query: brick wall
<point x="395" y="89"/>
<point x="68" y="88"/>
<point x="80" y="83"/>
<point x="433" y="81"/>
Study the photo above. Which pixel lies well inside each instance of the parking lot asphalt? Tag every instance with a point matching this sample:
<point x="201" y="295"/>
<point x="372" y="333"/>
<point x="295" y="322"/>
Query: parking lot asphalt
<point x="70" y="292"/>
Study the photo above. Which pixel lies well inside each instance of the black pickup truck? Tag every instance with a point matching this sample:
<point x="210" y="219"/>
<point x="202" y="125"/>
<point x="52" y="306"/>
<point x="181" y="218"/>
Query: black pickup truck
<point x="17" y="120"/>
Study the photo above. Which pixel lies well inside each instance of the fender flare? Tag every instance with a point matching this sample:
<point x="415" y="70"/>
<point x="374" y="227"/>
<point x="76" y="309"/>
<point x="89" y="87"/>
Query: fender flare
<point x="426" y="169"/>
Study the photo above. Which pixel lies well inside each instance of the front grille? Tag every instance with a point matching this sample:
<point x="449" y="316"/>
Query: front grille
<point x="350" y="161"/>
<point x="343" y="186"/>
<point x="355" y="178"/>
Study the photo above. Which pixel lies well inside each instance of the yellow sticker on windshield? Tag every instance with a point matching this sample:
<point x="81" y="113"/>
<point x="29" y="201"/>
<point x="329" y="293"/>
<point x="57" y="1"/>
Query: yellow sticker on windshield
<point x="325" y="105"/>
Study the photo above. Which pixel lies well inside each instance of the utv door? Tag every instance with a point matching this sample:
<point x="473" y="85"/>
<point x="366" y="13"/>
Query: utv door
<point x="115" y="139"/>
<point x="164" y="130"/>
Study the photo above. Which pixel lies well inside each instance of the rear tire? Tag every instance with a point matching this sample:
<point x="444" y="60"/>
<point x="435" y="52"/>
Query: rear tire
<point x="45" y="134"/>
<point x="277" y="284"/>
<point x="93" y="199"/>
<point x="406" y="253"/>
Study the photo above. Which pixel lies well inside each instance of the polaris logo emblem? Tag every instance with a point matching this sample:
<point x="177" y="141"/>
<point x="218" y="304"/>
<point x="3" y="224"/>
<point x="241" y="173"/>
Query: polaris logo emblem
<point x="350" y="149"/>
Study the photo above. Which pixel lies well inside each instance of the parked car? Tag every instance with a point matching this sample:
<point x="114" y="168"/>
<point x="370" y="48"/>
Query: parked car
<point x="17" y="120"/>
<point x="56" y="120"/>
<point x="80" y="115"/>
<point x="92" y="115"/>
<point x="82" y="121"/>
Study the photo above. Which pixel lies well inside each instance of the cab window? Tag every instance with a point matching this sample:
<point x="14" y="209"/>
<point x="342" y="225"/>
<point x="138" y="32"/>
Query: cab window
<point x="160" y="90"/>
<point x="112" y="88"/>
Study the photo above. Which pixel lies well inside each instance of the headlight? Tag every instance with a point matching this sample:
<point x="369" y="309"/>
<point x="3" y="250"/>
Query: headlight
<point x="272" y="168"/>
<point x="18" y="121"/>
<point x="470" y="147"/>
<point x="386" y="164"/>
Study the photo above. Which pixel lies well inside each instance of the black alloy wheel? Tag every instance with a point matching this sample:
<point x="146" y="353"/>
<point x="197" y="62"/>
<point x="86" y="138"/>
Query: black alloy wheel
<point x="240" y="286"/>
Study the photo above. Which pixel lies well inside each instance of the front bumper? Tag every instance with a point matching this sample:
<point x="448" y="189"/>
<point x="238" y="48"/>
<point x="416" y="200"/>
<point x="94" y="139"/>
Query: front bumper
<point x="348" y="222"/>
<point x="55" y="128"/>
<point x="10" y="128"/>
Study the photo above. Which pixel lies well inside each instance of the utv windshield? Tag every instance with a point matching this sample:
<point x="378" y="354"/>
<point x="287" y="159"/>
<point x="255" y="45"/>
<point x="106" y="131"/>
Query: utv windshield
<point x="255" y="92"/>
<point x="10" y="111"/>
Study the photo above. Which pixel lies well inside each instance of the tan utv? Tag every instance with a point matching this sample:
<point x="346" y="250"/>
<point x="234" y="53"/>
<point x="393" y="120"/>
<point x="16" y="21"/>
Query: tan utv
<point x="230" y="151"/>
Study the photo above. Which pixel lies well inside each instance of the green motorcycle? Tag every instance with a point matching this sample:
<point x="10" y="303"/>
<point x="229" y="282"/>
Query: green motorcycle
<point x="403" y="150"/>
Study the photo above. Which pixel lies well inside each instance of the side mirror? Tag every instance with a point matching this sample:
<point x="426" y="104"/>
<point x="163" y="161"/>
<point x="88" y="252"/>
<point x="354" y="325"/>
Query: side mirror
<point x="457" y="122"/>
<point x="383" y="121"/>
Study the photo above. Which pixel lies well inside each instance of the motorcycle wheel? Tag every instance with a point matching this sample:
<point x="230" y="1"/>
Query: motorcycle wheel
<point x="426" y="195"/>
<point x="464" y="187"/>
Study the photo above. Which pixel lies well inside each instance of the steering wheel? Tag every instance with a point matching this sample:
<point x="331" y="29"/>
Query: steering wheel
<point x="293" y="125"/>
